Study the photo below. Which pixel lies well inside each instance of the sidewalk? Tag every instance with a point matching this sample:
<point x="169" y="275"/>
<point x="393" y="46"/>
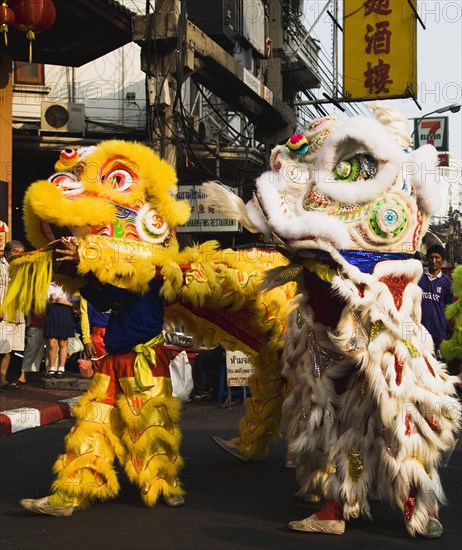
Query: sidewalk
<point x="34" y="405"/>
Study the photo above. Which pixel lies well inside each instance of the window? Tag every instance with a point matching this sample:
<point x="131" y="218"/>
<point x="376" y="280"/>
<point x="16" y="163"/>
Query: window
<point x="29" y="73"/>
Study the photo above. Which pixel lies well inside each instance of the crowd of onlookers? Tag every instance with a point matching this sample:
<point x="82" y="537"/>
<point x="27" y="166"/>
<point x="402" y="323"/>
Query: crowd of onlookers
<point x="68" y="336"/>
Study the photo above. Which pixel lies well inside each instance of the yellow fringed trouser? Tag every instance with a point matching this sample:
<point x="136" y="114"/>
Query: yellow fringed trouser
<point x="115" y="418"/>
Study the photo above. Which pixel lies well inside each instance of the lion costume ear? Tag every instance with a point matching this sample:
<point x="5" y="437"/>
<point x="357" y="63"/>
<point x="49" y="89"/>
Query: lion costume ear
<point x="180" y="212"/>
<point x="160" y="191"/>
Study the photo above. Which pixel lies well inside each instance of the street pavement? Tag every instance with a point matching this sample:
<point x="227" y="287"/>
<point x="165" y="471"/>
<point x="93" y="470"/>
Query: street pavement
<point x="230" y="504"/>
<point x="32" y="405"/>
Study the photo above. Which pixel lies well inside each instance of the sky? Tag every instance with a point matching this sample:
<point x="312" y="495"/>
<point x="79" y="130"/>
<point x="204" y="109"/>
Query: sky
<point x="439" y="60"/>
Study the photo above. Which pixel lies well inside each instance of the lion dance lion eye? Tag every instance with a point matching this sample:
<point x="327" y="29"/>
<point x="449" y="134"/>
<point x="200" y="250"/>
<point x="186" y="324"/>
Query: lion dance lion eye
<point x="151" y="227"/>
<point x="119" y="179"/>
<point x="359" y="167"/>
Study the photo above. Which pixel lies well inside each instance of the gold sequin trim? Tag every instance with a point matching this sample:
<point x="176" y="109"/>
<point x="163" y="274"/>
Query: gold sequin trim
<point x="355" y="465"/>
<point x="412" y="349"/>
<point x="445" y="413"/>
<point x="376" y="327"/>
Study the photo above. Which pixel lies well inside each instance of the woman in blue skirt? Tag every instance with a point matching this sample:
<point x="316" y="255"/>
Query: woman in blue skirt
<point x="59" y="327"/>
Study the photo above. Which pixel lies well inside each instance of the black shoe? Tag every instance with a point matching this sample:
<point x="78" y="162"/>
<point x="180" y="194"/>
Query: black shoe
<point x="11" y="386"/>
<point x="201" y="396"/>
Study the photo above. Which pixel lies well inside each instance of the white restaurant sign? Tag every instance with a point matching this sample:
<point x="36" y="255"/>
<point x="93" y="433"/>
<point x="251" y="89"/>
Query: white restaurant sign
<point x="203" y="218"/>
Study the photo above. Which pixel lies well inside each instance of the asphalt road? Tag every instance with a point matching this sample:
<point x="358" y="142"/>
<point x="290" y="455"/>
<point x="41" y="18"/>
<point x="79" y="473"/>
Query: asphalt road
<point x="230" y="504"/>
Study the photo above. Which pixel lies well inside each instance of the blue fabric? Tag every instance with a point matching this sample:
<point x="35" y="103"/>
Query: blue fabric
<point x="97" y="318"/>
<point x="134" y="318"/>
<point x="366" y="260"/>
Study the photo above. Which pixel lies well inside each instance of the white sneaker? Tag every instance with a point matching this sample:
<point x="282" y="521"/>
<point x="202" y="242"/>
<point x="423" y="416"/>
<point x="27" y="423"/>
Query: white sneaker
<point x="229" y="447"/>
<point x="174" y="501"/>
<point x="313" y="524"/>
<point x="42" y="506"/>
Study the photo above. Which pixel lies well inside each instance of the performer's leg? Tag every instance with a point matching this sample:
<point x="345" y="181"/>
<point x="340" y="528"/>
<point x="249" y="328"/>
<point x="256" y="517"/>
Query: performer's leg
<point x="85" y="472"/>
<point x="420" y="506"/>
<point x="52" y="356"/>
<point x="152" y="434"/>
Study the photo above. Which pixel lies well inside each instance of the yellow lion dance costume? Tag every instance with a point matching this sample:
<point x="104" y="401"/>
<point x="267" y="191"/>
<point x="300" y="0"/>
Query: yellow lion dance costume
<point x="114" y="205"/>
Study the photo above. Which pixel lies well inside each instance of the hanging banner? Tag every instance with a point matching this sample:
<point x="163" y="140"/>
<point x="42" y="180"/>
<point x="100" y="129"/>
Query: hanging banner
<point x="432" y="130"/>
<point x="203" y="218"/>
<point x="379" y="49"/>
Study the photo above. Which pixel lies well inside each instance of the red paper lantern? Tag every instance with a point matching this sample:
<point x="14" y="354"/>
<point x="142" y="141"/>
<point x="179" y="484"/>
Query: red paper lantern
<point x="6" y="18"/>
<point x="33" y="17"/>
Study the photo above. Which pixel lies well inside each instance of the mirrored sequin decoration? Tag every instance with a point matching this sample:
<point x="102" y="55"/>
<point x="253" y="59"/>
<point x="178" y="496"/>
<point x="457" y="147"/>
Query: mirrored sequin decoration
<point x="359" y="339"/>
<point x="321" y="358"/>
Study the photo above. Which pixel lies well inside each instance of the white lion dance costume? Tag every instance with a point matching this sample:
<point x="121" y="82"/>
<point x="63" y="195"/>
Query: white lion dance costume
<point x="371" y="408"/>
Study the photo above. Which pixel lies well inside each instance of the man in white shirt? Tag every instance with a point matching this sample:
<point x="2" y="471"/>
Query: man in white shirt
<point x="12" y="333"/>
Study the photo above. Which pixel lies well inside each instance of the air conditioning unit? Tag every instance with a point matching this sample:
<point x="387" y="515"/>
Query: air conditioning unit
<point x="62" y="117"/>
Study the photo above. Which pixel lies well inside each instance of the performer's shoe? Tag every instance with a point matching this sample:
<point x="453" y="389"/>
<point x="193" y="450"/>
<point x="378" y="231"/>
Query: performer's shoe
<point x="313" y="524"/>
<point x="174" y="501"/>
<point x="42" y="506"/>
<point x="229" y="447"/>
<point x="290" y="461"/>
<point x="311" y="497"/>
<point x="434" y="529"/>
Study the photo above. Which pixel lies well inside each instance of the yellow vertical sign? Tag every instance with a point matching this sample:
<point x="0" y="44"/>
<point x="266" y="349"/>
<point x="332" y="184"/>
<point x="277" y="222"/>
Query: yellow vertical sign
<point x="379" y="49"/>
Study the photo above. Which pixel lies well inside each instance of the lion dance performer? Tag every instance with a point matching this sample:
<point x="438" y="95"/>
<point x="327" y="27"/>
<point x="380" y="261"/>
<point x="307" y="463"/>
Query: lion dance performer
<point x="452" y="348"/>
<point x="372" y="410"/>
<point x="112" y="210"/>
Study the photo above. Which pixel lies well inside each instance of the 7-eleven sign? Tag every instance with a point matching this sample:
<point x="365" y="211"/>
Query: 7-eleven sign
<point x="433" y="131"/>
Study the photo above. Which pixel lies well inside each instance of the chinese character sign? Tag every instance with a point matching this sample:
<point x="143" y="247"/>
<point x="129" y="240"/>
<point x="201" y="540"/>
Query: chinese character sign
<point x="379" y="49"/>
<point x="433" y="131"/>
<point x="203" y="218"/>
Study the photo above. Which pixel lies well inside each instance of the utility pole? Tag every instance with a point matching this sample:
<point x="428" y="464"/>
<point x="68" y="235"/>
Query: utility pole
<point x="162" y="51"/>
<point x="275" y="63"/>
<point x="163" y="84"/>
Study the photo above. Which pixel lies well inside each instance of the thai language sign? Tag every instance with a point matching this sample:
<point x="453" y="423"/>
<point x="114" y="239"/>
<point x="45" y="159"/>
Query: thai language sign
<point x="379" y="49"/>
<point x="238" y="368"/>
<point x="203" y="218"/>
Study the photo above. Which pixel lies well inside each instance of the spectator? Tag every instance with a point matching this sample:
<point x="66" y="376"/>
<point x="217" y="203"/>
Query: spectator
<point x="436" y="295"/>
<point x="207" y="369"/>
<point x="12" y="333"/>
<point x="59" y="327"/>
<point x="34" y="350"/>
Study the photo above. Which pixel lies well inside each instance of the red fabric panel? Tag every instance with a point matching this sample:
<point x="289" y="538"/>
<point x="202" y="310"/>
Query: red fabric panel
<point x="5" y="425"/>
